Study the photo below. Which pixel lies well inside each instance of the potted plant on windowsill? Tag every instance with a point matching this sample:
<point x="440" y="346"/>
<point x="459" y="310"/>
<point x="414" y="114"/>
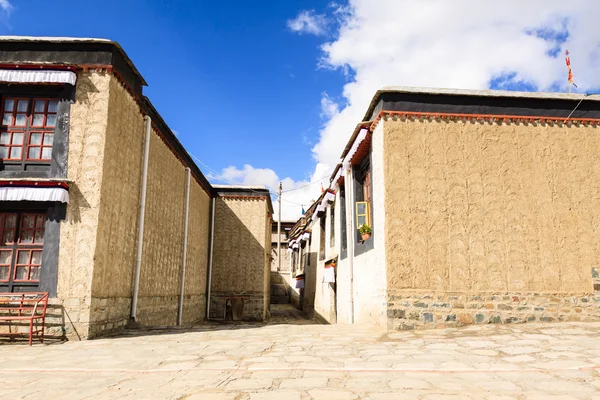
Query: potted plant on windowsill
<point x="365" y="231"/>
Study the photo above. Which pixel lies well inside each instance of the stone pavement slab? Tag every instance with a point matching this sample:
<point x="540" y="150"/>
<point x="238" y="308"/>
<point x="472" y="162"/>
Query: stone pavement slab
<point x="294" y="359"/>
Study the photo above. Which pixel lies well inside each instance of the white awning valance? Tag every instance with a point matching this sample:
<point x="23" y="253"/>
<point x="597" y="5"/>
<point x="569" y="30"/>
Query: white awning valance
<point x="34" y="194"/>
<point x="37" y="76"/>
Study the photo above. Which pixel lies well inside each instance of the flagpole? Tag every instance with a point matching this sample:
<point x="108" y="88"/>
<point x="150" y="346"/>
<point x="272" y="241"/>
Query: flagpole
<point x="279" y="231"/>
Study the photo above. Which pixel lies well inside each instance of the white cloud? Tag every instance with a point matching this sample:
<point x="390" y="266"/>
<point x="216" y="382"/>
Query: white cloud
<point x="6" y="6"/>
<point x="437" y="43"/>
<point x="308" y="21"/>
<point x="453" y="44"/>
<point x="295" y="193"/>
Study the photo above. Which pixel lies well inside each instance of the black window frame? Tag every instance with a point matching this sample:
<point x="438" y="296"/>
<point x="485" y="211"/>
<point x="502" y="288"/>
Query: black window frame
<point x="359" y="172"/>
<point x="343" y="222"/>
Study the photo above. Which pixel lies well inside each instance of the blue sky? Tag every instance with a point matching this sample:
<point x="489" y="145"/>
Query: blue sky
<point x="230" y="77"/>
<point x="265" y="91"/>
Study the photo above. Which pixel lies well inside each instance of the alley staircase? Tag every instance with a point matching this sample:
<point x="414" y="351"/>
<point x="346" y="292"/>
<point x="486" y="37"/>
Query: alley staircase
<point x="279" y="293"/>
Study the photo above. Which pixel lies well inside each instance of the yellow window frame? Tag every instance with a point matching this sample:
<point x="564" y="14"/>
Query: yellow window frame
<point x="363" y="213"/>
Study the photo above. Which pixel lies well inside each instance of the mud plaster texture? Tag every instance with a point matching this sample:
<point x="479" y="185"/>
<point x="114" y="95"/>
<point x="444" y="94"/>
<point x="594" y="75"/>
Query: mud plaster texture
<point x="241" y="266"/>
<point x="88" y="122"/>
<point x="490" y="222"/>
<point x="99" y="237"/>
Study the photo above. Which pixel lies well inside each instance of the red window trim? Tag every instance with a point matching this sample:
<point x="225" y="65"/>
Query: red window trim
<point x="33" y="230"/>
<point x="10" y="146"/>
<point x="28" y="129"/>
<point x="40" y="146"/>
<point x="7" y="265"/>
<point x="29" y="264"/>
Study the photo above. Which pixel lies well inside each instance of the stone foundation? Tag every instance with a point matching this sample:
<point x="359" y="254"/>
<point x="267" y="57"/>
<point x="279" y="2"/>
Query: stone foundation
<point x="426" y="310"/>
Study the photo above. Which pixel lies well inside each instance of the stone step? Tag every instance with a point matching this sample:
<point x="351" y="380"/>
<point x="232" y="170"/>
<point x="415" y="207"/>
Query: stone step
<point x="278" y="290"/>
<point x="280" y="299"/>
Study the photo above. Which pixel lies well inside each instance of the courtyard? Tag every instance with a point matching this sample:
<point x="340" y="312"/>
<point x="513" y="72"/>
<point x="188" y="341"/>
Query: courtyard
<point x="292" y="358"/>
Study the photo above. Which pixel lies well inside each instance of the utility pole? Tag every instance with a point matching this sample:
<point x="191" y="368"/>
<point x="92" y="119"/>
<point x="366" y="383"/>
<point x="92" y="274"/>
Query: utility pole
<point x="279" y="230"/>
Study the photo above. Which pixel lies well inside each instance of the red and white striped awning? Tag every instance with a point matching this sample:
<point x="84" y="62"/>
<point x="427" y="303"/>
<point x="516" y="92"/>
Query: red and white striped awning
<point x="34" y="191"/>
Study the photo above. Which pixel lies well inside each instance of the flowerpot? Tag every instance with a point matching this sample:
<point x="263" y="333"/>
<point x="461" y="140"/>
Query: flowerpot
<point x="365" y="236"/>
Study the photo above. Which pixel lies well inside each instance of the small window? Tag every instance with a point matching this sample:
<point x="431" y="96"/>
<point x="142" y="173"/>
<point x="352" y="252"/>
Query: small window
<point x="27" y="130"/>
<point x="332" y="225"/>
<point x="362" y="214"/>
<point x="322" y="238"/>
<point x="344" y="239"/>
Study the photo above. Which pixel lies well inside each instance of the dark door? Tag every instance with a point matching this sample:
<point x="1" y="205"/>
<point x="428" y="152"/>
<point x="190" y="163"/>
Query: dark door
<point x="21" y="245"/>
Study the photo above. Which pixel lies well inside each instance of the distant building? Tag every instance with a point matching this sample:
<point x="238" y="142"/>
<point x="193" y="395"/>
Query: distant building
<point x="78" y="142"/>
<point x="484" y="208"/>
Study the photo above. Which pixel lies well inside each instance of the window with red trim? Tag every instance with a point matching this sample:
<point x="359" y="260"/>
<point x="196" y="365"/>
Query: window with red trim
<point x="28" y="264"/>
<point x="21" y="246"/>
<point x="27" y="130"/>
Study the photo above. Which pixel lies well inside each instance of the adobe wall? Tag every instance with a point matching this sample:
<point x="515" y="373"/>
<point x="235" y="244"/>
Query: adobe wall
<point x="241" y="266"/>
<point x="490" y="222"/>
<point x="78" y="232"/>
<point x="118" y="226"/>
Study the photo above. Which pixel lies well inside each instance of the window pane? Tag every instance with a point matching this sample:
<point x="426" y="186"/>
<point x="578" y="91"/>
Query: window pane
<point x="21" y="274"/>
<point x="23" y="257"/>
<point x="35" y="138"/>
<point x="36" y="257"/>
<point x="34" y="274"/>
<point x="39" y="221"/>
<point x="20" y="119"/>
<point x="22" y="105"/>
<point x="3" y="152"/>
<point x="4" y="273"/>
<point x="7" y="119"/>
<point x="39" y="105"/>
<point x="17" y="138"/>
<point x="8" y="236"/>
<point x="362" y="208"/>
<point x="15" y="152"/>
<point x="26" y="236"/>
<point x="9" y="105"/>
<point x="38" y="120"/>
<point x="51" y="120"/>
<point x="362" y="220"/>
<point x="48" y="139"/>
<point x="28" y="221"/>
<point x="53" y="106"/>
<point x="34" y="152"/>
<point x="5" y="138"/>
<point x="46" y="153"/>
<point x="10" y="221"/>
<point x="39" y="236"/>
<point x="5" y="256"/>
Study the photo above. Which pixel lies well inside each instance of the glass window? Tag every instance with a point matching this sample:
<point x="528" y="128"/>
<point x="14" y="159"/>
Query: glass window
<point x="21" y="248"/>
<point x="28" y="129"/>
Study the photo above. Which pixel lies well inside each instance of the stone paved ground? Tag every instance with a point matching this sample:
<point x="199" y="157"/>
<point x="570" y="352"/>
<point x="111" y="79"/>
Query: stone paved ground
<point x="293" y="359"/>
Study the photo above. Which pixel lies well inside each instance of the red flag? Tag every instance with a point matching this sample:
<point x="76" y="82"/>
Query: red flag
<point x="570" y="74"/>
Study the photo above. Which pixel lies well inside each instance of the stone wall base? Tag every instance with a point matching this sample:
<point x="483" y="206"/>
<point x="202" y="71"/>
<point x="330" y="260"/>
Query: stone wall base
<point x="108" y="315"/>
<point x="414" y="310"/>
<point x="238" y="306"/>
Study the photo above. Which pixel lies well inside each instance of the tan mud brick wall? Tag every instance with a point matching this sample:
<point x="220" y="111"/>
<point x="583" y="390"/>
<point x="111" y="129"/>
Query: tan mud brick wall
<point x="488" y="213"/>
<point x="88" y="123"/>
<point x="119" y="212"/>
<point x="162" y="258"/>
<point x="196" y="272"/>
<point x="241" y="259"/>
